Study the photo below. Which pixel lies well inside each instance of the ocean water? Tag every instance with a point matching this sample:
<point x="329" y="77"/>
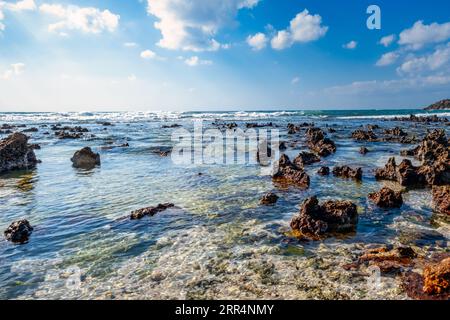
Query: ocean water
<point x="219" y="242"/>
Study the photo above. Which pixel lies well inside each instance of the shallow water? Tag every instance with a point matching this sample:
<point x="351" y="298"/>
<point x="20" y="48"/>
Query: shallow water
<point x="219" y="242"/>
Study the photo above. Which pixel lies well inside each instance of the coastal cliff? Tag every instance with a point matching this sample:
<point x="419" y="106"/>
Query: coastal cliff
<point x="441" y="105"/>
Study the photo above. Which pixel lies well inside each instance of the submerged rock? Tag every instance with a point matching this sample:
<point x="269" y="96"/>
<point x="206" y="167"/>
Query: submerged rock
<point x="269" y="198"/>
<point x="387" y="198"/>
<point x="306" y="158"/>
<point x="324" y="171"/>
<point x="16" y="153"/>
<point x="150" y="211"/>
<point x="85" y="159"/>
<point x="363" y="150"/>
<point x="289" y="173"/>
<point x="316" y="220"/>
<point x="347" y="172"/>
<point x="441" y="199"/>
<point x="19" y="231"/>
<point x="319" y="143"/>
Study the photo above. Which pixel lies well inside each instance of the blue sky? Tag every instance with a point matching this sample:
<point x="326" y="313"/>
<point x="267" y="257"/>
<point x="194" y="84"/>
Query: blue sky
<point x="58" y="55"/>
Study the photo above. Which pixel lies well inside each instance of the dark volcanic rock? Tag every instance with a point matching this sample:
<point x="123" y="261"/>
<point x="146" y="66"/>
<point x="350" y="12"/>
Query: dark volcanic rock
<point x="305" y="158"/>
<point x="15" y="153"/>
<point x="441" y="198"/>
<point x="363" y="150"/>
<point x="361" y="135"/>
<point x="19" y="231"/>
<point x="85" y="159"/>
<point x="387" y="198"/>
<point x="269" y="198"/>
<point x="289" y="173"/>
<point x="319" y="143"/>
<point x="441" y="105"/>
<point x="315" y="220"/>
<point x="150" y="211"/>
<point x="347" y="172"/>
<point x="324" y="171"/>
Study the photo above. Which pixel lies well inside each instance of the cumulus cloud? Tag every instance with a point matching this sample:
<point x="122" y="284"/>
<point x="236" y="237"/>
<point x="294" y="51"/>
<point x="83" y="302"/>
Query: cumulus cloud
<point x="193" y="24"/>
<point x="387" y="59"/>
<point x="18" y="6"/>
<point x="196" y="61"/>
<point x="387" y="40"/>
<point x="15" y="69"/>
<point x="439" y="61"/>
<point x="148" y="54"/>
<point x="85" y="19"/>
<point x="257" y="41"/>
<point x="130" y="44"/>
<point x="421" y="34"/>
<point x="303" y="28"/>
<point x="351" y="45"/>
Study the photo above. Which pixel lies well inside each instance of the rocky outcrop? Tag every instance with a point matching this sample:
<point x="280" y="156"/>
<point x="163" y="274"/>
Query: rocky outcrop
<point x="388" y="260"/>
<point x="363" y="150"/>
<point x="440" y="105"/>
<point x="361" y="135"/>
<point x="318" y="143"/>
<point x="387" y="198"/>
<point x="85" y="159"/>
<point x="150" y="211"/>
<point x="306" y="158"/>
<point x="424" y="119"/>
<point x="19" y="231"/>
<point x="289" y="173"/>
<point x="315" y="220"/>
<point x="348" y="173"/>
<point x="441" y="199"/>
<point x="16" y="153"/>
<point x="269" y="198"/>
<point x="434" y="147"/>
<point x="395" y="132"/>
<point x="323" y="171"/>
<point x="67" y="132"/>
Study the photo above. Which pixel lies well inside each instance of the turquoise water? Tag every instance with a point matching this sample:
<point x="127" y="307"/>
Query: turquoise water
<point x="219" y="242"/>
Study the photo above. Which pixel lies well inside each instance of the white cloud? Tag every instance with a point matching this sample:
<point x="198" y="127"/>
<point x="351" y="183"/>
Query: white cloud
<point x="303" y="28"/>
<point x="387" y="59"/>
<point x="148" y="54"/>
<point x="196" y="61"/>
<point x="295" y="80"/>
<point x="439" y="61"/>
<point x="351" y="45"/>
<point x="23" y="5"/>
<point x="132" y="77"/>
<point x="421" y="34"/>
<point x="257" y="41"/>
<point x="16" y="69"/>
<point x="193" y="24"/>
<point x="85" y="19"/>
<point x="130" y="44"/>
<point x="387" y="40"/>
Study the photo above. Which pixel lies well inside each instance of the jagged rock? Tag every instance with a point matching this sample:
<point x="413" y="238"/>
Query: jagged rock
<point x="441" y="198"/>
<point x="396" y="132"/>
<point x="361" y="135"/>
<point x="389" y="172"/>
<point x="437" y="277"/>
<point x="318" y="143"/>
<point x="387" y="198"/>
<point x="324" y="171"/>
<point x="387" y="259"/>
<point x="15" y="153"/>
<point x="424" y="119"/>
<point x="269" y="198"/>
<point x="434" y="147"/>
<point x="315" y="220"/>
<point x="363" y="150"/>
<point x="347" y="172"/>
<point x="441" y="105"/>
<point x="19" y="231"/>
<point x="306" y="158"/>
<point x="289" y="173"/>
<point x="85" y="159"/>
<point x="150" y="211"/>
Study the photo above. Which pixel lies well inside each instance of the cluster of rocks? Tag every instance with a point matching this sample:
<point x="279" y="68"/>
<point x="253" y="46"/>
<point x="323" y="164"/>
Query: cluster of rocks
<point x="290" y="174"/>
<point x="150" y="211"/>
<point x="316" y="220"/>
<point x="348" y="173"/>
<point x="249" y="125"/>
<point x="362" y="135"/>
<point x="318" y="143"/>
<point x="434" y="147"/>
<point x="16" y="153"/>
<point x="391" y="135"/>
<point x="387" y="198"/>
<point x="306" y="158"/>
<point x="293" y="129"/>
<point x="422" y="119"/>
<point x="68" y="132"/>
